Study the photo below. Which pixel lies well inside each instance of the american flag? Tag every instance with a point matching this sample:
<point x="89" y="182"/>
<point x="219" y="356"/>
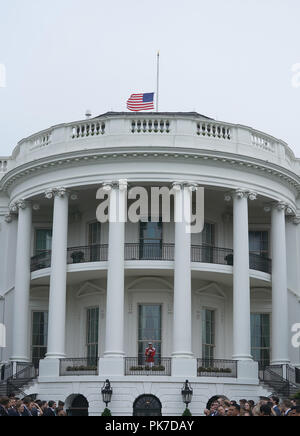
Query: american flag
<point x="141" y="102"/>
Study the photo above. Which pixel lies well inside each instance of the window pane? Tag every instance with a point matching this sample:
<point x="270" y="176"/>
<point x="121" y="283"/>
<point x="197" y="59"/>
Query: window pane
<point x="39" y="336"/>
<point x="259" y="243"/>
<point x="149" y="330"/>
<point x="43" y="240"/>
<point x="260" y="338"/>
<point x="208" y="334"/>
<point x="92" y="334"/>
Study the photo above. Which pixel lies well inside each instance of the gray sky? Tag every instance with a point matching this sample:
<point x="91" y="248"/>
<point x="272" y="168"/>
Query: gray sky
<point x="229" y="59"/>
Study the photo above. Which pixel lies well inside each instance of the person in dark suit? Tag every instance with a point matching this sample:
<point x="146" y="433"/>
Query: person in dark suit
<point x="275" y="401"/>
<point x="27" y="407"/>
<point x="50" y="411"/>
<point x="4" y="405"/>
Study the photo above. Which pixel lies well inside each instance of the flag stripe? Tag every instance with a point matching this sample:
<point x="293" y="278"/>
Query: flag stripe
<point x="138" y="102"/>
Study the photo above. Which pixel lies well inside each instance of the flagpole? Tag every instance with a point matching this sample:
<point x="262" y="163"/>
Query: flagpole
<point x="157" y="89"/>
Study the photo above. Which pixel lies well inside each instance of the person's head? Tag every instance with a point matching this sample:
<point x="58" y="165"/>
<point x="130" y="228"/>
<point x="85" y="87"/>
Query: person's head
<point x="61" y="412"/>
<point x="294" y="402"/>
<point x="4" y="402"/>
<point x="12" y="402"/>
<point x="214" y="406"/>
<point x="20" y="407"/>
<point x="150" y="345"/>
<point x="52" y="404"/>
<point x="265" y="410"/>
<point x="295" y="411"/>
<point x="44" y="405"/>
<point x="274" y="400"/>
<point x="251" y="403"/>
<point x="246" y="413"/>
<point x="28" y="403"/>
<point x="264" y="400"/>
<point x="234" y="410"/>
<point x="61" y="405"/>
<point x="286" y="405"/>
<point x="243" y="402"/>
<point x="221" y="411"/>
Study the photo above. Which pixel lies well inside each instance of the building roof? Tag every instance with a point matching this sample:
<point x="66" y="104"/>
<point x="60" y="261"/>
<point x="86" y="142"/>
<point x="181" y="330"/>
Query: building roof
<point x="170" y="114"/>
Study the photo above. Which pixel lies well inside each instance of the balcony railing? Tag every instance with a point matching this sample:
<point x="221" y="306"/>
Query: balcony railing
<point x="79" y="366"/>
<point x="137" y="366"/>
<point x="155" y="252"/>
<point x="216" y="368"/>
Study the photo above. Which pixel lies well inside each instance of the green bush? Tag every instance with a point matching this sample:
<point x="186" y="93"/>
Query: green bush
<point x="187" y="412"/>
<point x="106" y="412"/>
<point x="215" y="370"/>
<point x="297" y="396"/>
<point x="81" y="368"/>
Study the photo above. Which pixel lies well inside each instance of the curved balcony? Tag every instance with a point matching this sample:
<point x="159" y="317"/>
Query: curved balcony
<point x="155" y="252"/>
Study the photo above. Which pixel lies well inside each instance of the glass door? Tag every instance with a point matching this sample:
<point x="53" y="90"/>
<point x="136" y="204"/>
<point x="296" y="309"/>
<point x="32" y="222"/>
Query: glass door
<point x="39" y="337"/>
<point x="261" y="338"/>
<point x="151" y="240"/>
<point x="149" y="331"/>
<point x="94" y="241"/>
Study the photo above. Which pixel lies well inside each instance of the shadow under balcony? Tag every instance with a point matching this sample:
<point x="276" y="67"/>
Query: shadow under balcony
<point x="151" y="252"/>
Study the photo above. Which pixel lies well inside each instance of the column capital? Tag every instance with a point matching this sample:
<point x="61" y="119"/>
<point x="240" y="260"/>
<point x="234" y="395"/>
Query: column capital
<point x="122" y="185"/>
<point x="9" y="218"/>
<point x="280" y="206"/>
<point x="57" y="192"/>
<point x="192" y="186"/>
<point x="240" y="194"/>
<point x="14" y="207"/>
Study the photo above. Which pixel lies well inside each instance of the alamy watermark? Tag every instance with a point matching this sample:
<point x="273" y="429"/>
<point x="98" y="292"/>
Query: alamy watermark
<point x="296" y="336"/>
<point x="154" y="204"/>
<point x="2" y="336"/>
<point x="2" y="76"/>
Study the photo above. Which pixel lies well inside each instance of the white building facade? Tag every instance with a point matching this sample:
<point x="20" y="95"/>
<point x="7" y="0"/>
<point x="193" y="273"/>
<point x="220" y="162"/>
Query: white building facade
<point x="81" y="299"/>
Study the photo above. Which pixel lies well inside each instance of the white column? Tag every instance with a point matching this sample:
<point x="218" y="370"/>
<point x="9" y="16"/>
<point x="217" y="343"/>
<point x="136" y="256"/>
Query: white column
<point x="58" y="279"/>
<point x="280" y="329"/>
<point x="183" y="361"/>
<point x="21" y="352"/>
<point x="241" y="279"/>
<point x="113" y="361"/>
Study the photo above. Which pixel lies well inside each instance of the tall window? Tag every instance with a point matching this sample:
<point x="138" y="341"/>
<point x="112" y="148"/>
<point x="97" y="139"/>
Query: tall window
<point x="259" y="243"/>
<point x="92" y="335"/>
<point x="43" y="240"/>
<point x="149" y="330"/>
<point x="260" y="338"/>
<point x="39" y="336"/>
<point x="94" y="241"/>
<point x="208" y="240"/>
<point x="151" y="240"/>
<point x="208" y="334"/>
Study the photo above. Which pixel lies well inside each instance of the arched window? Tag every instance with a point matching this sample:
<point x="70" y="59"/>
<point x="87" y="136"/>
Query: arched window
<point x="79" y="406"/>
<point x="147" y="405"/>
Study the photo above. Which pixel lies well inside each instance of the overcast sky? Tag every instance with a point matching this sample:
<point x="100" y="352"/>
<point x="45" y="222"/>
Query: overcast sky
<point x="229" y="59"/>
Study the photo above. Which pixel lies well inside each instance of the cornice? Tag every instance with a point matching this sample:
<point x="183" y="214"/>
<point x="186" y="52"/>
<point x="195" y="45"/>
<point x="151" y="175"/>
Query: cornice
<point x="87" y="156"/>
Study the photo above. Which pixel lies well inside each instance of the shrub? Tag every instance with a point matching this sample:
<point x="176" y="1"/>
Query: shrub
<point x="106" y="412"/>
<point x="187" y="412"/>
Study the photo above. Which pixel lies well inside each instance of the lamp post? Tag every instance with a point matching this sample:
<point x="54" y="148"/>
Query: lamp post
<point x="187" y="394"/>
<point x="106" y="392"/>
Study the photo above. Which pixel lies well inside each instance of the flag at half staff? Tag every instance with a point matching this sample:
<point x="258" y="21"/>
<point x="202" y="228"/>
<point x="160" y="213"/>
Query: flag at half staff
<point x="141" y="102"/>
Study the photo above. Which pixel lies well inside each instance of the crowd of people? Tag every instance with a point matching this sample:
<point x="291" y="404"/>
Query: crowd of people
<point x="14" y="406"/>
<point x="271" y="406"/>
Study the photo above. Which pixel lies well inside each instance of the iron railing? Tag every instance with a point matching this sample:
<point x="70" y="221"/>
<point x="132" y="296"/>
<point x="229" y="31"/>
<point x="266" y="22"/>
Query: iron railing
<point x="25" y="373"/>
<point x="41" y="261"/>
<point x="216" y="368"/>
<point x="89" y="253"/>
<point x="271" y="377"/>
<point x="138" y="366"/>
<point x="79" y="366"/>
<point x="6" y="371"/>
<point x="151" y="251"/>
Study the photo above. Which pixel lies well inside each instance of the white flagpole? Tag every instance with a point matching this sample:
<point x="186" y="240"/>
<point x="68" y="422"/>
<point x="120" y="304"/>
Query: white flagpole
<point x="157" y="89"/>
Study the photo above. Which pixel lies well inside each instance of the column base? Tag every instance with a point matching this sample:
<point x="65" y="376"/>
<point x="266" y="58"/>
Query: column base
<point x="49" y="368"/>
<point x="247" y="369"/>
<point x="280" y="362"/>
<point x="184" y="367"/>
<point x="111" y="366"/>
